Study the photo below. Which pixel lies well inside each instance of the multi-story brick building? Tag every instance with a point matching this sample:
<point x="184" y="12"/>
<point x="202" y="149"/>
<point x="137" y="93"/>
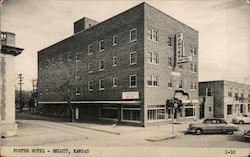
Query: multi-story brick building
<point x="229" y="98"/>
<point x="122" y="69"/>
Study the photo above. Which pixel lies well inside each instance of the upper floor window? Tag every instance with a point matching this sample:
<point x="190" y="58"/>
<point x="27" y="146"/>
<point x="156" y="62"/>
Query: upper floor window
<point x="77" y="56"/>
<point x="193" y="67"/>
<point x="152" y="34"/>
<point x="77" y="91"/>
<point x="69" y="56"/>
<point x="90" y="67"/>
<point x="77" y="73"/>
<point x="133" y="35"/>
<point x="101" y="65"/>
<point x="132" y="81"/>
<point x="230" y="92"/>
<point x="90" y="49"/>
<point x="70" y="73"/>
<point x="153" y="57"/>
<point x="170" y="64"/>
<point x="169" y="40"/>
<point x="101" y="45"/>
<point x="242" y="93"/>
<point x="114" y="40"/>
<point x="193" y="50"/>
<point x="193" y="85"/>
<point x="132" y="58"/>
<point x="114" y="81"/>
<point x="180" y="84"/>
<point x="90" y="85"/>
<point x="101" y="84"/>
<point x="53" y="61"/>
<point x="114" y="59"/>
<point x="152" y="80"/>
<point x="236" y="94"/>
<point x="60" y="58"/>
<point x="47" y="62"/>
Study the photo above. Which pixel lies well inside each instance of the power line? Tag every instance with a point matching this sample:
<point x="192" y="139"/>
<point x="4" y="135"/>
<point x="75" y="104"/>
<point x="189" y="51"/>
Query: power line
<point x="20" y="77"/>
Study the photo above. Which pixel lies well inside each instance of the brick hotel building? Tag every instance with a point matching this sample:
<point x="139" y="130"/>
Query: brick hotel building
<point x="122" y="69"/>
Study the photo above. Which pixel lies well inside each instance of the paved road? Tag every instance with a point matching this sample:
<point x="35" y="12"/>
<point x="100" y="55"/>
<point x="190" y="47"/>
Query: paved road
<point x="44" y="133"/>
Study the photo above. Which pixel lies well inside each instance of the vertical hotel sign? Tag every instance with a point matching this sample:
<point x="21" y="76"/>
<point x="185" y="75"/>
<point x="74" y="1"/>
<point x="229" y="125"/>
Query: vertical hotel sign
<point x="180" y="52"/>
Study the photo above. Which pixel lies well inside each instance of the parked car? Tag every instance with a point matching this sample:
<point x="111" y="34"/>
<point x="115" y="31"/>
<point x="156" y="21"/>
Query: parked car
<point x="242" y="119"/>
<point x="214" y="125"/>
<point x="247" y="134"/>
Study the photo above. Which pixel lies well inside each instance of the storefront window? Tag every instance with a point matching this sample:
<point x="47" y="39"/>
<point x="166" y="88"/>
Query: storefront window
<point x="109" y="113"/>
<point x="189" y="112"/>
<point x="229" y="109"/>
<point x="131" y="114"/>
<point x="156" y="114"/>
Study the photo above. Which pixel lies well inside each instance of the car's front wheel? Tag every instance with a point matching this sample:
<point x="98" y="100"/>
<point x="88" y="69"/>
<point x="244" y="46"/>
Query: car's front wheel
<point x="241" y="122"/>
<point x="198" y="131"/>
<point x="230" y="132"/>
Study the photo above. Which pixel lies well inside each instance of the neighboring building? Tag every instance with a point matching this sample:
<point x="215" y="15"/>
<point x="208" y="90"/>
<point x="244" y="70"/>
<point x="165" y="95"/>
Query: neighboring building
<point x="230" y="98"/>
<point x="123" y="69"/>
<point x="8" y="51"/>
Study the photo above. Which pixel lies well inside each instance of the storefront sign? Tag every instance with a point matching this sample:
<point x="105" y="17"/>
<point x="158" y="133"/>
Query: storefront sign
<point x="180" y="51"/>
<point x="130" y="95"/>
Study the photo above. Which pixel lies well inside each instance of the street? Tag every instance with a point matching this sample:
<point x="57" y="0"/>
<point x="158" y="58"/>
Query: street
<point x="48" y="133"/>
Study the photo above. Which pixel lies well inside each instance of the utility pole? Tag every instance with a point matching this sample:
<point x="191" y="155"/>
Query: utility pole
<point x="34" y="89"/>
<point x="20" y="77"/>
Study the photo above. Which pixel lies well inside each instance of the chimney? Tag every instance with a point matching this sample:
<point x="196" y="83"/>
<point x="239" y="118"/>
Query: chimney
<point x="83" y="24"/>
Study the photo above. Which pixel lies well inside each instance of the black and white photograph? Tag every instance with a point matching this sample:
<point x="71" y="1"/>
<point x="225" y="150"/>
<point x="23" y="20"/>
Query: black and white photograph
<point x="124" y="78"/>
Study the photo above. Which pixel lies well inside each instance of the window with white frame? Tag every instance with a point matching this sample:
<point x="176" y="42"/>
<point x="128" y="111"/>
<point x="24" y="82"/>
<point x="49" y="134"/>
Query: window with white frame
<point x="156" y="113"/>
<point x="101" y="65"/>
<point x="114" y="82"/>
<point x="101" y="84"/>
<point x="193" y="67"/>
<point x="101" y="45"/>
<point x="77" y="73"/>
<point x="180" y="83"/>
<point x="132" y="58"/>
<point x="77" y="91"/>
<point x="133" y="35"/>
<point x="242" y="93"/>
<point x="236" y="94"/>
<point x="90" y="49"/>
<point x="153" y="57"/>
<point x="170" y="83"/>
<point x="170" y="64"/>
<point x="90" y="67"/>
<point x="69" y="56"/>
<point x="152" y="80"/>
<point x="229" y="109"/>
<point x="114" y="40"/>
<point x="132" y="81"/>
<point x="90" y="85"/>
<point x="114" y="59"/>
<point x="230" y="91"/>
<point x="47" y="62"/>
<point x="170" y="40"/>
<point x="77" y="56"/>
<point x="152" y="34"/>
<point x="193" y="85"/>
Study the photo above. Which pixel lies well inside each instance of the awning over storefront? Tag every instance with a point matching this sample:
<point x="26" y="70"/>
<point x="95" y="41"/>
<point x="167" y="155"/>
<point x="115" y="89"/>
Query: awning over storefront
<point x="92" y="102"/>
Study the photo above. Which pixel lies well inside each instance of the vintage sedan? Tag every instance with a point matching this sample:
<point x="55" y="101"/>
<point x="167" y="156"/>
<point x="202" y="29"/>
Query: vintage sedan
<point x="214" y="125"/>
<point x="247" y="134"/>
<point x="242" y="119"/>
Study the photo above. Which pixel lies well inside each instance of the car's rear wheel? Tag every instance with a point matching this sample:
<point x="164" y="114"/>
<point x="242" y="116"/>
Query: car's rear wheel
<point x="230" y="132"/>
<point x="198" y="131"/>
<point x="241" y="122"/>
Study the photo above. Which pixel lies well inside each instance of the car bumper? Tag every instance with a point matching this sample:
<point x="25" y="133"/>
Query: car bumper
<point x="191" y="130"/>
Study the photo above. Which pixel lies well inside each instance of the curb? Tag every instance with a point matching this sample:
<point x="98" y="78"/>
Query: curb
<point x="105" y="131"/>
<point x="164" y="138"/>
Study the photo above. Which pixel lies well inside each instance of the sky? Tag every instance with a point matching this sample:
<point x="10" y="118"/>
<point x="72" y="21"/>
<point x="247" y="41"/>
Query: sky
<point x="223" y="25"/>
